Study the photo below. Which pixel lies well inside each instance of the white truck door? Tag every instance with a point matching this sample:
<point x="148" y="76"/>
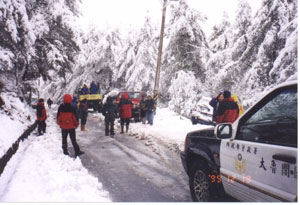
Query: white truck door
<point x="260" y="163"/>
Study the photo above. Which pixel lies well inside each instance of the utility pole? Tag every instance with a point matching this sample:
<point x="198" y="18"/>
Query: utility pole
<point x="156" y="85"/>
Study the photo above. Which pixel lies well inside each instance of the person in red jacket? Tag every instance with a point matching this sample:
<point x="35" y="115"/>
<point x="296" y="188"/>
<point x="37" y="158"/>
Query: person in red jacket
<point x="228" y="110"/>
<point x="41" y="116"/>
<point x="66" y="119"/>
<point x="125" y="106"/>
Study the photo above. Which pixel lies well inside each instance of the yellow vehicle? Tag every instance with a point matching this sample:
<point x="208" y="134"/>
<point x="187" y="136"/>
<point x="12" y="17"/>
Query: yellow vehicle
<point x="94" y="101"/>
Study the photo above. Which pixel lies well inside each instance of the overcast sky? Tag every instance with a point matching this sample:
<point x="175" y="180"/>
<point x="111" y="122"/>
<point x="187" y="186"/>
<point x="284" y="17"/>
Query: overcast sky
<point x="131" y="13"/>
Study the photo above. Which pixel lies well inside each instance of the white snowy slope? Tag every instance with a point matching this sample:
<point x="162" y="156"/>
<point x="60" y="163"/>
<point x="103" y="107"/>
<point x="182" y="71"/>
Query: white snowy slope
<point x="40" y="172"/>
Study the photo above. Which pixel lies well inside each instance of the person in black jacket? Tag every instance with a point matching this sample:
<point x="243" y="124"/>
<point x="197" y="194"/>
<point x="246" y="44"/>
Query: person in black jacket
<point x="150" y="107"/>
<point x="110" y="112"/>
<point x="142" y="105"/>
<point x="49" y="102"/>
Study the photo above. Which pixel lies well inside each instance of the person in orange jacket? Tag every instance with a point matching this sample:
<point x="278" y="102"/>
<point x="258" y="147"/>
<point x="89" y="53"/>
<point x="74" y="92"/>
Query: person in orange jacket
<point x="66" y="119"/>
<point x="41" y="116"/>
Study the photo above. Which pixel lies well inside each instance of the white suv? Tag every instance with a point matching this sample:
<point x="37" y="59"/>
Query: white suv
<point x="258" y="151"/>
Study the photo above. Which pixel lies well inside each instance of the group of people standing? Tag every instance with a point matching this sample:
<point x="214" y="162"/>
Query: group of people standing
<point x="70" y="111"/>
<point x="226" y="107"/>
<point x="111" y="111"/>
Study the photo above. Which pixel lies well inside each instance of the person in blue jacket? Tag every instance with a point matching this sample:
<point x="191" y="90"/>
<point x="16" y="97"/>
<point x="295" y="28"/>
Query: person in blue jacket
<point x="75" y="104"/>
<point x="85" y="90"/>
<point x="93" y="88"/>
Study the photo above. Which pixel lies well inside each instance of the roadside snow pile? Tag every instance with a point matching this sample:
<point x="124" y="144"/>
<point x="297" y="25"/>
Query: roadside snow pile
<point x="15" y="118"/>
<point x="169" y="127"/>
<point x="40" y="172"/>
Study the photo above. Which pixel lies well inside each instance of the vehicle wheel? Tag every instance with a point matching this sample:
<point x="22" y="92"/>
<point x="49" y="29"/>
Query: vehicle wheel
<point x="199" y="184"/>
<point x="194" y="121"/>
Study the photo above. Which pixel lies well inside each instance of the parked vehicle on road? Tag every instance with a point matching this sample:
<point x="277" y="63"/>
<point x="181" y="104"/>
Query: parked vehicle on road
<point x="34" y="102"/>
<point x="94" y="101"/>
<point x="202" y="112"/>
<point x="201" y="160"/>
<point x="252" y="159"/>
<point x="135" y="97"/>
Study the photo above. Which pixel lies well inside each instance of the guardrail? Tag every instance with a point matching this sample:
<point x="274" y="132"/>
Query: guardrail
<point x="13" y="149"/>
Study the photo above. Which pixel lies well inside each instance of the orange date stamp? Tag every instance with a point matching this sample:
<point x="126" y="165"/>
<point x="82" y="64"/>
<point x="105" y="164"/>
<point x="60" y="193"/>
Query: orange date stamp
<point x="230" y="179"/>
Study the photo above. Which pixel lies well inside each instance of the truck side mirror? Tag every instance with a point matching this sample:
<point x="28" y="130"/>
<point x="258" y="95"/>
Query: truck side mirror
<point x="223" y="131"/>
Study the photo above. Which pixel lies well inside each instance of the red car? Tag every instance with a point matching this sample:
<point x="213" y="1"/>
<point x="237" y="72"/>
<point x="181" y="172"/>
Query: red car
<point x="135" y="97"/>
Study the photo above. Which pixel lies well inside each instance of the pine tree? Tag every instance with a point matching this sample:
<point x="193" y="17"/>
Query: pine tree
<point x="272" y="44"/>
<point x="37" y="37"/>
<point x="140" y="75"/>
<point x="187" y="49"/>
<point x="221" y="37"/>
<point x="243" y="19"/>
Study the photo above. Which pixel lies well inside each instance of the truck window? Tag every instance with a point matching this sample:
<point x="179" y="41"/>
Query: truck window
<point x="273" y="123"/>
<point x="133" y="95"/>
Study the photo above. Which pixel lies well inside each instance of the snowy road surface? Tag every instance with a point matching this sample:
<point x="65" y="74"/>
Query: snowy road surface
<point x="132" y="169"/>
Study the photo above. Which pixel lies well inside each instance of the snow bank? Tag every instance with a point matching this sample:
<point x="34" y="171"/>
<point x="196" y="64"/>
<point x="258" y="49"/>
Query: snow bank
<point x="39" y="171"/>
<point x="15" y="118"/>
<point x="168" y="126"/>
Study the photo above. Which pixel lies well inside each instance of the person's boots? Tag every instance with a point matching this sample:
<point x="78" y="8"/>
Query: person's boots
<point x="122" y="129"/>
<point x="127" y="128"/>
<point x="65" y="151"/>
<point x="79" y="153"/>
<point x="83" y="128"/>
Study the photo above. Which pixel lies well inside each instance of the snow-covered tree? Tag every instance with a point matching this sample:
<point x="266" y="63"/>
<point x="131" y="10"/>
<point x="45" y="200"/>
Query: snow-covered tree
<point x="38" y="38"/>
<point x="184" y="92"/>
<point x="243" y="19"/>
<point x="221" y="37"/>
<point x="271" y="54"/>
<point x="186" y="48"/>
<point x="140" y="73"/>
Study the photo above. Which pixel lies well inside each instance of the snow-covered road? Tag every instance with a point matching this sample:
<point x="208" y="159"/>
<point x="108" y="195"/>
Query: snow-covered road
<point x="39" y="172"/>
<point x="133" y="169"/>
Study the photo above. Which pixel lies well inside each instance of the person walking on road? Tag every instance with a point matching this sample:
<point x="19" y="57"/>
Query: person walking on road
<point x="125" y="107"/>
<point x="66" y="119"/>
<point x="83" y="114"/>
<point x="49" y="102"/>
<point x="41" y="115"/>
<point x="150" y="107"/>
<point x="110" y="112"/>
<point x="228" y="110"/>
